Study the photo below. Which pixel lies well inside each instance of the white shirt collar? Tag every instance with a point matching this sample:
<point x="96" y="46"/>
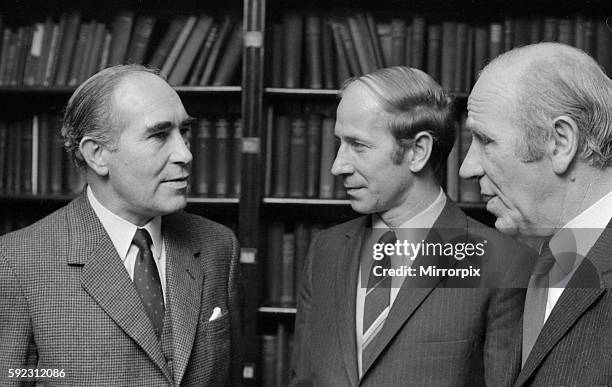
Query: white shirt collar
<point x="580" y="234"/>
<point x="121" y="232"/>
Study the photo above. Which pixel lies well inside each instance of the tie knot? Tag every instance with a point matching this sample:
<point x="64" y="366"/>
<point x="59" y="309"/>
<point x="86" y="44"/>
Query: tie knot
<point x="388" y="237"/>
<point x="142" y="239"/>
<point x="544" y="262"/>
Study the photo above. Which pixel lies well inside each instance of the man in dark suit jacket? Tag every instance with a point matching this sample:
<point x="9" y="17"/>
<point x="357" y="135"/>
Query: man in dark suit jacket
<point x="396" y="129"/>
<point x="120" y="287"/>
<point x="542" y="127"/>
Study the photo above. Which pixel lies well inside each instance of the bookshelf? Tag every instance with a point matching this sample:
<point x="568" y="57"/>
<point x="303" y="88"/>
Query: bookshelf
<point x="258" y="93"/>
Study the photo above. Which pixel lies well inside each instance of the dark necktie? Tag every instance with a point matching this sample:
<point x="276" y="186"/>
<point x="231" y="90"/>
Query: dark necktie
<point x="146" y="280"/>
<point x="378" y="293"/>
<point x="535" y="301"/>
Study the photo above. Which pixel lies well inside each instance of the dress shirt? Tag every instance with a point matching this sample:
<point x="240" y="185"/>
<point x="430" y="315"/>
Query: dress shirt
<point x="572" y="243"/>
<point x="411" y="230"/>
<point x="121" y="233"/>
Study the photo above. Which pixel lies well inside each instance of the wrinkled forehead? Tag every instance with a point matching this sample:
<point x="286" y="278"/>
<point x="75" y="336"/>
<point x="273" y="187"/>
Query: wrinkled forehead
<point x="495" y="93"/>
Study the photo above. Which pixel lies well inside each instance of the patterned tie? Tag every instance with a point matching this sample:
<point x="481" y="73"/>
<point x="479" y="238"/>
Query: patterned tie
<point x="146" y="280"/>
<point x="535" y="301"/>
<point x="378" y="292"/>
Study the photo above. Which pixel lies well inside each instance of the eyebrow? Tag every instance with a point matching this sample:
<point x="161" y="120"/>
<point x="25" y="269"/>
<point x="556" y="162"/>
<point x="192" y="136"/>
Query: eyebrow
<point x="165" y="125"/>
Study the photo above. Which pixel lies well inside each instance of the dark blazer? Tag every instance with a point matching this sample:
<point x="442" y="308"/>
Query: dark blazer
<point x="574" y="347"/>
<point x="434" y="335"/>
<point x="67" y="302"/>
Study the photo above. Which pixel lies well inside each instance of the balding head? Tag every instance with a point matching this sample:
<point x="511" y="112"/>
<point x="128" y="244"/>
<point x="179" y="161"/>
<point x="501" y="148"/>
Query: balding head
<point x="547" y="80"/>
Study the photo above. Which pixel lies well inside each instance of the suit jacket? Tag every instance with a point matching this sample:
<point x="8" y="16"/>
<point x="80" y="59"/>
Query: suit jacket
<point x="574" y="347"/>
<point x="67" y="302"/>
<point x="435" y="334"/>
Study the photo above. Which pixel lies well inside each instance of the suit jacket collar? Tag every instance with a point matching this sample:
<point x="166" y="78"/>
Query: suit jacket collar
<point x="105" y="279"/>
<point x="586" y="285"/>
<point x="410" y="296"/>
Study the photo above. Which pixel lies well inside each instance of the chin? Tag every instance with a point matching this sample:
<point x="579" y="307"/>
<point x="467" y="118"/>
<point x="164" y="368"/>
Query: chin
<point x="172" y="205"/>
<point x="506" y="227"/>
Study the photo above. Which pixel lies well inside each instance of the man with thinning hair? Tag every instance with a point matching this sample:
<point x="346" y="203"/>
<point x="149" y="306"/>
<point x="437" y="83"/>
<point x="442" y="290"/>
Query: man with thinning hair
<point x="120" y="287"/>
<point x="356" y="327"/>
<point x="541" y="123"/>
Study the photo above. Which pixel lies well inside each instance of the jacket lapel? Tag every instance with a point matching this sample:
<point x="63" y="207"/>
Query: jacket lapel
<point x="346" y="293"/>
<point x="185" y="279"/>
<point x="585" y="287"/>
<point x="414" y="290"/>
<point x="105" y="279"/>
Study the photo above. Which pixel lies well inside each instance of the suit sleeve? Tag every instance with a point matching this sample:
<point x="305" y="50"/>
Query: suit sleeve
<point x="301" y="351"/>
<point x="504" y="318"/>
<point x="235" y="304"/>
<point x="17" y="348"/>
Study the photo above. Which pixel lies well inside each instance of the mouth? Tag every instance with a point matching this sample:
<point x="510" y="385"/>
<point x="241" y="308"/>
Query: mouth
<point x="179" y="182"/>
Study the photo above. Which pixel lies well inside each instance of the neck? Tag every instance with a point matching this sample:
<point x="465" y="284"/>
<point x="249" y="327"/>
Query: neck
<point x="585" y="186"/>
<point x="105" y="196"/>
<point x="420" y="196"/>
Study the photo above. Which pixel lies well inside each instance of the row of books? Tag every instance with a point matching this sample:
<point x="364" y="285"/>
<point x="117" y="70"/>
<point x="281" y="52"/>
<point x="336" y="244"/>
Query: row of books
<point x="333" y="49"/>
<point x="276" y="350"/>
<point x="216" y="148"/>
<point x="33" y="162"/>
<point x="286" y="250"/>
<point x="189" y="50"/>
<point x="301" y="151"/>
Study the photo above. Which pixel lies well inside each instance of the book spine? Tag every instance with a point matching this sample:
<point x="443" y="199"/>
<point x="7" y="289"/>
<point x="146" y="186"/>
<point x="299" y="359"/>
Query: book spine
<point x="211" y="37"/>
<point x="67" y="48"/>
<point x="165" y="45"/>
<point x="190" y="51"/>
<point x="281" y="156"/>
<point x="449" y="55"/>
<point x="137" y="49"/>
<point x="418" y="42"/>
<point x="398" y="42"/>
<point x="297" y="158"/>
<point x="292" y="49"/>
<point x="328" y="56"/>
<point x="326" y="179"/>
<point x="287" y="297"/>
<point x="433" y="51"/>
<point x="178" y="45"/>
<point x="313" y="52"/>
<point x="237" y="158"/>
<point x="215" y="51"/>
<point x="203" y="158"/>
<point x="313" y="155"/>
<point x="229" y="63"/>
<point x="121" y="31"/>
<point x="222" y="157"/>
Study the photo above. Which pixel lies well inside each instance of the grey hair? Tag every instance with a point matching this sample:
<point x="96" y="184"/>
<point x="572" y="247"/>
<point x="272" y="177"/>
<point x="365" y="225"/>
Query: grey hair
<point x="90" y="112"/>
<point x="562" y="81"/>
<point x="414" y="103"/>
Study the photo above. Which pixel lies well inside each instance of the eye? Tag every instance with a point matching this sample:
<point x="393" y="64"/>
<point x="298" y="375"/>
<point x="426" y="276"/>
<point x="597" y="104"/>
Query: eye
<point x="484" y="140"/>
<point x="357" y="146"/>
<point x="161" y="135"/>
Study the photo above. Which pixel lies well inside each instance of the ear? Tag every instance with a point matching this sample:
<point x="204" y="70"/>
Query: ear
<point x="420" y="152"/>
<point x="94" y="155"/>
<point x="565" y="143"/>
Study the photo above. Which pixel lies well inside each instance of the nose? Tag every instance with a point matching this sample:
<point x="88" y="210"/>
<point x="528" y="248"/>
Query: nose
<point x="471" y="164"/>
<point x="342" y="165"/>
<point x="180" y="149"/>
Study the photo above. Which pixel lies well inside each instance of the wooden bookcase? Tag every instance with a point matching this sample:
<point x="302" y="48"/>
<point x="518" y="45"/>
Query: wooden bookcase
<point x="252" y="98"/>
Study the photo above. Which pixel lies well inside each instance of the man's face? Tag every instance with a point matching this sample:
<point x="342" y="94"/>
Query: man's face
<point x="147" y="173"/>
<point x="373" y="182"/>
<point x="517" y="192"/>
